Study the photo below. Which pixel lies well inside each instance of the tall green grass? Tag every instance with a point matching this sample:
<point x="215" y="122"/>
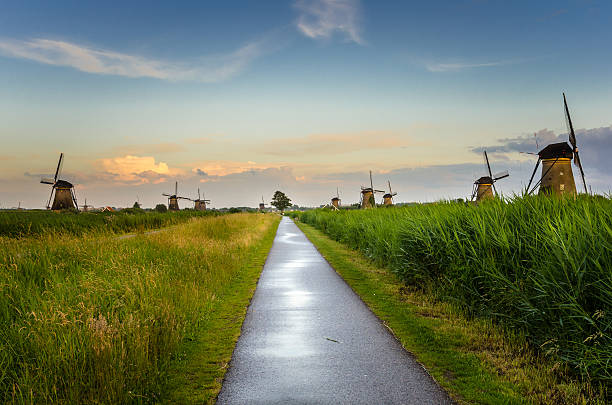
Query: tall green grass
<point x="25" y="223"/>
<point x="95" y="319"/>
<point x="539" y="265"/>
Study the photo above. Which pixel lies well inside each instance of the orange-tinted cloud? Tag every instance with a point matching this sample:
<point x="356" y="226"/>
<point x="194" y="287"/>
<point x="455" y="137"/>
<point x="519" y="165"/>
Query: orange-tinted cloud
<point x="138" y="169"/>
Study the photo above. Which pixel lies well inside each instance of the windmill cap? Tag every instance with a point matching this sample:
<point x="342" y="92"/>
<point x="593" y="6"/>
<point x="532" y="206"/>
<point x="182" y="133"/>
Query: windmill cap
<point x="63" y="183"/>
<point x="335" y="199"/>
<point x="556" y="150"/>
<point x="484" y="180"/>
<point x="366" y="190"/>
<point x="388" y="195"/>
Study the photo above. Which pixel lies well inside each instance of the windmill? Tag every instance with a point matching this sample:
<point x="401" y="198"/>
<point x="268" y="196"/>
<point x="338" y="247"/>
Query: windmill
<point x="557" y="176"/>
<point x="388" y="197"/>
<point x="367" y="195"/>
<point x="173" y="199"/>
<point x="200" y="203"/>
<point x="336" y="200"/>
<point x="485" y="186"/>
<point x="64" y="190"/>
<point x="85" y="206"/>
<point x="262" y="205"/>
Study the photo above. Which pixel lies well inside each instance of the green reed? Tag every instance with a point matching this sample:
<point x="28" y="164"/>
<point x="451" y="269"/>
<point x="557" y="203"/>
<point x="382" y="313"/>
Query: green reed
<point x="540" y="265"/>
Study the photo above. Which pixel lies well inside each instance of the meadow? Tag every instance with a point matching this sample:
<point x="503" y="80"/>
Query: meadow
<point x="92" y="318"/>
<point x="541" y="267"/>
<point x="31" y="222"/>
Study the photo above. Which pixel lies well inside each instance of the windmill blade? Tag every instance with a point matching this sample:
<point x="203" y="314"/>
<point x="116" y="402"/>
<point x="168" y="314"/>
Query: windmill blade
<point x="579" y="164"/>
<point x="58" y="171"/>
<point x="379" y="191"/>
<point x="47" y="180"/>
<point x="199" y="193"/>
<point x="176" y="188"/>
<point x="529" y="153"/>
<point x="166" y="195"/>
<point x="488" y="165"/>
<point x="568" y="118"/>
<point x="500" y="175"/>
<point x="49" y="201"/>
<point x="533" y="174"/>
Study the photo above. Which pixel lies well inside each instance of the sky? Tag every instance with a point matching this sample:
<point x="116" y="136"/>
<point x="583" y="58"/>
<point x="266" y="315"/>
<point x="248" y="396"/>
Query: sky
<point x="242" y="98"/>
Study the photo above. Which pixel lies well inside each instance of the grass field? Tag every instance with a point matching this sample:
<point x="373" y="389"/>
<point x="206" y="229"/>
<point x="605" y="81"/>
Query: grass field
<point x="537" y="266"/>
<point x="93" y="319"/>
<point x="474" y="360"/>
<point x="26" y="223"/>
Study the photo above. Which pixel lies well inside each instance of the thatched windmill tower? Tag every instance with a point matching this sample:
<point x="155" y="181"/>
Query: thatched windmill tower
<point x="485" y="186"/>
<point x="262" y="205"/>
<point x="388" y="197"/>
<point x="557" y="176"/>
<point x="64" y="190"/>
<point x="173" y="199"/>
<point x="200" y="203"/>
<point x="367" y="195"/>
<point x="336" y="200"/>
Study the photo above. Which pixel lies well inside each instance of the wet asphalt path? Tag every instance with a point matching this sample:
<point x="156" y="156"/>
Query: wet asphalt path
<point x="308" y="338"/>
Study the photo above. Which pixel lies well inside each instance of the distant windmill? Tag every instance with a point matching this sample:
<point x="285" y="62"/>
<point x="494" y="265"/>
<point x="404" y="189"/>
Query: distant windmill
<point x="557" y="176"/>
<point x="336" y="200"/>
<point x="367" y="195"/>
<point x="200" y="203"/>
<point x="262" y="205"/>
<point x="485" y="186"/>
<point x="173" y="199"/>
<point x="64" y="190"/>
<point x="85" y="206"/>
<point x="388" y="197"/>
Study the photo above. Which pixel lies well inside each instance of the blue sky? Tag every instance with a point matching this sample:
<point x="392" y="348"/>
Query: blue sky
<point x="242" y="98"/>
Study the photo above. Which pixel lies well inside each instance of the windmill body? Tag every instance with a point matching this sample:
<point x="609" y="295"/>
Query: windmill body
<point x="336" y="200"/>
<point x="557" y="175"/>
<point x="484" y="187"/>
<point x="173" y="199"/>
<point x="262" y="205"/>
<point x="367" y="195"/>
<point x="200" y="203"/>
<point x="388" y="197"/>
<point x="62" y="191"/>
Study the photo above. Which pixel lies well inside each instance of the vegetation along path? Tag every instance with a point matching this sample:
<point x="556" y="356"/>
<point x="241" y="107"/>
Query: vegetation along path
<point x="309" y="338"/>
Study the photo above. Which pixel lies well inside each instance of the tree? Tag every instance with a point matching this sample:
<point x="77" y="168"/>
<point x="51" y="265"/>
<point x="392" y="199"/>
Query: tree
<point x="161" y="208"/>
<point x="281" y="201"/>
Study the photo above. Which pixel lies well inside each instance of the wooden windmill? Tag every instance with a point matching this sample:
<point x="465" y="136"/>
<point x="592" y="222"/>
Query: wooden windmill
<point x="484" y="187"/>
<point x="336" y="200"/>
<point x="200" y="203"/>
<point x="64" y="191"/>
<point x="173" y="199"/>
<point x="85" y="206"/>
<point x="388" y="197"/>
<point x="367" y="195"/>
<point x="262" y="205"/>
<point x="557" y="176"/>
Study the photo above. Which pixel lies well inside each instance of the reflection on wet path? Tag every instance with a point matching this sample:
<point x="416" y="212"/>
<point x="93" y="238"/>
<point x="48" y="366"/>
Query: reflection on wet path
<point x="308" y="338"/>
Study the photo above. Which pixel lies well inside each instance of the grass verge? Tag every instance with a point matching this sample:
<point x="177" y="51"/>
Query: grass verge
<point x="199" y="367"/>
<point x="473" y="359"/>
<point x="97" y="319"/>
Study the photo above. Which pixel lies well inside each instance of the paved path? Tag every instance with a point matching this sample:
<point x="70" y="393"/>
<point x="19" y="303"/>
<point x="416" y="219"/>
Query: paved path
<point x="308" y="338"/>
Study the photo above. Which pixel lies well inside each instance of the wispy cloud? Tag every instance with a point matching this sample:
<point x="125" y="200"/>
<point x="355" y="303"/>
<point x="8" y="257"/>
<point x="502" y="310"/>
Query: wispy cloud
<point x="208" y="69"/>
<point x="320" y="19"/>
<point x="449" y="67"/>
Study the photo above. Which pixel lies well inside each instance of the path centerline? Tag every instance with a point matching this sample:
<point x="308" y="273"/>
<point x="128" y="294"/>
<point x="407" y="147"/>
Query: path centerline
<point x="308" y="338"/>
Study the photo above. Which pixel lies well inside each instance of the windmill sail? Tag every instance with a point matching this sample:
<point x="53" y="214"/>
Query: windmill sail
<point x="572" y="140"/>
